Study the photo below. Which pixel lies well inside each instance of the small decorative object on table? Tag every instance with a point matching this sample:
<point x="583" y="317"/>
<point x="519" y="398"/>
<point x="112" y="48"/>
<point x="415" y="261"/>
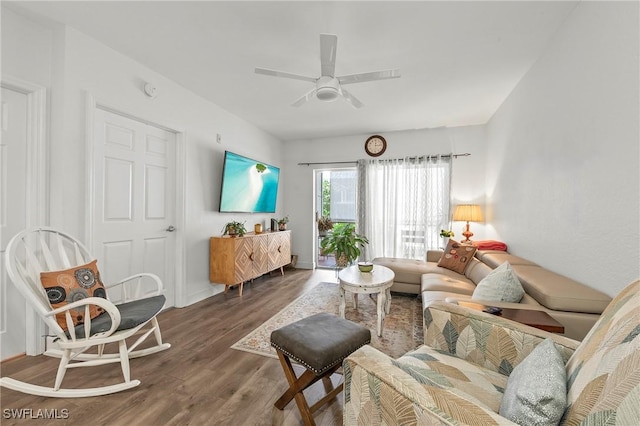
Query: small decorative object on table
<point x="282" y="223"/>
<point x="365" y="266"/>
<point x="257" y="228"/>
<point x="445" y="235"/>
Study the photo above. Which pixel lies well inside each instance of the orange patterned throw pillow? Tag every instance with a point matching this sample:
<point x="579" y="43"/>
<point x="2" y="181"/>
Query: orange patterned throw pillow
<point x="70" y="285"/>
<point x="457" y="256"/>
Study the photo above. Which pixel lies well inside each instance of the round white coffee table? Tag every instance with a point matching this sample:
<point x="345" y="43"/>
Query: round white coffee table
<point x="379" y="280"/>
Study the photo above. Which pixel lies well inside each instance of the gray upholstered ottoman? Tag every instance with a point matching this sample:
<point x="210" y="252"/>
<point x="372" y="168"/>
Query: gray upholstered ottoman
<point x="320" y="343"/>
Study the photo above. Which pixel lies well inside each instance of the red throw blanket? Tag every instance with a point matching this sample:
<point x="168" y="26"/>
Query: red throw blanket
<point x="490" y="245"/>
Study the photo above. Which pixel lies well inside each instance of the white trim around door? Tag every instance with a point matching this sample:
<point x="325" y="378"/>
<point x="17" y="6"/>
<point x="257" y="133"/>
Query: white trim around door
<point x="37" y="196"/>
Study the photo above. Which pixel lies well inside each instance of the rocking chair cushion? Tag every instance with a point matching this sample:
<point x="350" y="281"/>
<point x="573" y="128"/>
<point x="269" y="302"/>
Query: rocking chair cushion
<point x="73" y="284"/>
<point x="132" y="314"/>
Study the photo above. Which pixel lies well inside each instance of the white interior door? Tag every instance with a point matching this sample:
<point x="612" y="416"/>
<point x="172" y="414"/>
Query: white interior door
<point x="134" y="200"/>
<point x="13" y="206"/>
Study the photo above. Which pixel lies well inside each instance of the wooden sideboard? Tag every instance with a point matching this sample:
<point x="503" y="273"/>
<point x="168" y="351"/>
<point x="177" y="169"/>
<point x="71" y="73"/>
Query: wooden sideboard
<point x="232" y="261"/>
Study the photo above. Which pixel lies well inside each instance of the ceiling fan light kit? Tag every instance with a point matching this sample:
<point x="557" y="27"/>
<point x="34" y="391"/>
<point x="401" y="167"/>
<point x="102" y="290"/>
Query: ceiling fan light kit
<point x="327" y="89"/>
<point x="328" y="86"/>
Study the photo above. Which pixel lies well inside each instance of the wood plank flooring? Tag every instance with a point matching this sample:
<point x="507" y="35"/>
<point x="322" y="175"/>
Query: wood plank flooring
<point x="199" y="381"/>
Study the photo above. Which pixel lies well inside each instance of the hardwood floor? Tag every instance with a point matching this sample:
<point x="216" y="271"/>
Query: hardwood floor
<point x="199" y="381"/>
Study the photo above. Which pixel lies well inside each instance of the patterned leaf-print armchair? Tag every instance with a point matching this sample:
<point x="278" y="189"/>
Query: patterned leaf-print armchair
<point x="460" y="374"/>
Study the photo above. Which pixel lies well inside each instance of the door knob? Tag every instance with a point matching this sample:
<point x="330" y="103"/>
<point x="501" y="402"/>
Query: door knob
<point x="171" y="228"/>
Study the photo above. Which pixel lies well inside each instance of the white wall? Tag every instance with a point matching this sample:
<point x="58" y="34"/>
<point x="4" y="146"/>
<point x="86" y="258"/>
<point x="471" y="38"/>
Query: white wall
<point x="562" y="172"/>
<point x="19" y="33"/>
<point x="80" y="65"/>
<point x="467" y="176"/>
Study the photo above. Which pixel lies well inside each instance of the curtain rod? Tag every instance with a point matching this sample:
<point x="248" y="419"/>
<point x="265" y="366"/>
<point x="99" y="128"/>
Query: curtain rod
<point x="466" y="154"/>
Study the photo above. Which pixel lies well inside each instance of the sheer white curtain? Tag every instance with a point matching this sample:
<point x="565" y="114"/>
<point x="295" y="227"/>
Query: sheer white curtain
<point x="403" y="204"/>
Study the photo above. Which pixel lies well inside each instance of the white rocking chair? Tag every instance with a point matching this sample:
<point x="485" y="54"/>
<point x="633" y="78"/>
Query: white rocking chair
<point x="44" y="249"/>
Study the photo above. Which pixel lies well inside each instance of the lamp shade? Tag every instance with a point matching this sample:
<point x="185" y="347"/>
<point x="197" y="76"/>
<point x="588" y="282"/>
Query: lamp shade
<point x="468" y="213"/>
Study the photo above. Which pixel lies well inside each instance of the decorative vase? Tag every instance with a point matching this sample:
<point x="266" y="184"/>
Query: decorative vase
<point x="257" y="228"/>
<point x="342" y="261"/>
<point x="282" y="226"/>
<point x="365" y="266"/>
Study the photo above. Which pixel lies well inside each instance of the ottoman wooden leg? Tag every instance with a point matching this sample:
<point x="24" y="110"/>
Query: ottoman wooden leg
<point x="298" y="384"/>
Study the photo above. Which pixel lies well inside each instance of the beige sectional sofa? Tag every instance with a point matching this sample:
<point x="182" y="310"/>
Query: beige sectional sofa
<point x="574" y="305"/>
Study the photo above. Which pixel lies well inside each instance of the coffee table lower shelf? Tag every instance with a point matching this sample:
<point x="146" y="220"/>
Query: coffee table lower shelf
<point x="537" y="319"/>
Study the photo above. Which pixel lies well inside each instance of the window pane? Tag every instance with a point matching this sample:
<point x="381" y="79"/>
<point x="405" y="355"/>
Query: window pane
<point x="343" y="195"/>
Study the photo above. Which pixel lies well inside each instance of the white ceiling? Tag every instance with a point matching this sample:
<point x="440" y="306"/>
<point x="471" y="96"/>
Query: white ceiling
<point x="458" y="60"/>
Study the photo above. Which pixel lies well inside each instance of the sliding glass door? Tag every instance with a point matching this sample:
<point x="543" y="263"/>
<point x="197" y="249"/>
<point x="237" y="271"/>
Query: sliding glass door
<point x="336" y="201"/>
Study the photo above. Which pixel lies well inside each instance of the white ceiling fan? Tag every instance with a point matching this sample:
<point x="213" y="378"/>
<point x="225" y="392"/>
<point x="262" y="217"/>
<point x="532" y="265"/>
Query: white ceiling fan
<point x="328" y="85"/>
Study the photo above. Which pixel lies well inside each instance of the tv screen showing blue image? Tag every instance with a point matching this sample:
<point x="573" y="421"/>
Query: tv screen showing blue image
<point x="248" y="186"/>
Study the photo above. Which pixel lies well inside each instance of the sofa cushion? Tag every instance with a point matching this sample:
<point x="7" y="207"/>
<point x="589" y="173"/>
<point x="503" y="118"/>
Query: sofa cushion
<point x="476" y="270"/>
<point x="457" y="256"/>
<point x="439" y="282"/>
<point x="411" y="270"/>
<point x="495" y="258"/>
<point x="559" y="292"/>
<point x="442" y="296"/>
<point x="500" y="285"/>
<point x="527" y="302"/>
<point x="377" y="392"/>
<point x="536" y="392"/>
<point x="473" y="382"/>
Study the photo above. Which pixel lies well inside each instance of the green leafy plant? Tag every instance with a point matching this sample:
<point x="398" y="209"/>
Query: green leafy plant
<point x="234" y="228"/>
<point x="284" y="220"/>
<point x="344" y="243"/>
<point x="326" y="198"/>
<point x="446" y="234"/>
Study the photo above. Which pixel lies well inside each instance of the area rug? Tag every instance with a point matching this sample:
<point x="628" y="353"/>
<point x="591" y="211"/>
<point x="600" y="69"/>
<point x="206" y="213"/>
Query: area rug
<point x="402" y="330"/>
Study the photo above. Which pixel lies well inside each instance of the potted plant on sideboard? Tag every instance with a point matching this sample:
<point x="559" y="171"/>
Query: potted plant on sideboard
<point x="344" y="243"/>
<point x="282" y="223"/>
<point x="234" y="229"/>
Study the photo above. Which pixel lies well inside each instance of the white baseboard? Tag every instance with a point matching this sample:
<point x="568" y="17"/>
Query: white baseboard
<point x="203" y="294"/>
<point x="305" y="265"/>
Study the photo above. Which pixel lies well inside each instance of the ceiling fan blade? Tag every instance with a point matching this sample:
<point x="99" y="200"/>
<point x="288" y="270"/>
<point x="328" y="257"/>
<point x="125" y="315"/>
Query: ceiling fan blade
<point x="283" y="74"/>
<point x="328" y="46"/>
<point x="305" y="98"/>
<point x="351" y="99"/>
<point x="369" y="76"/>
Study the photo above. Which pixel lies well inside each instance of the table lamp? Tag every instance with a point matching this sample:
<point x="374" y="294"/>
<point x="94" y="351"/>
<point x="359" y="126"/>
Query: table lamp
<point x="468" y="213"/>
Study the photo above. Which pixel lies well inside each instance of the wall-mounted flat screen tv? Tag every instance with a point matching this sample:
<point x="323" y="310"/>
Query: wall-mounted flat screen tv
<point x="248" y="186"/>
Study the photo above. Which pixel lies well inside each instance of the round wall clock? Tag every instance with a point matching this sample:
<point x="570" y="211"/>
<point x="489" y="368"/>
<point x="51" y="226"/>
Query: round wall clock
<point x="375" y="145"/>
